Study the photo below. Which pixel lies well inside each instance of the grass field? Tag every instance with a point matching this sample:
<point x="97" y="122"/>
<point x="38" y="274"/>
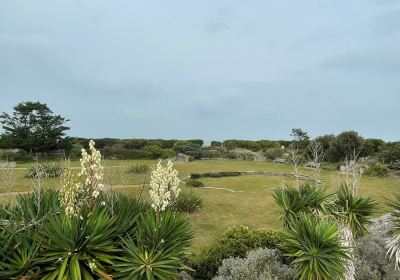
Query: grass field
<point x="242" y="200"/>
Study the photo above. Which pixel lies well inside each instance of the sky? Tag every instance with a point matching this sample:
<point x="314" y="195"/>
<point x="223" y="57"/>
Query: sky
<point x="209" y="69"/>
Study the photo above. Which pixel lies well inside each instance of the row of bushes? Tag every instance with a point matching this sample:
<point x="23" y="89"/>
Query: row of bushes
<point x="215" y="174"/>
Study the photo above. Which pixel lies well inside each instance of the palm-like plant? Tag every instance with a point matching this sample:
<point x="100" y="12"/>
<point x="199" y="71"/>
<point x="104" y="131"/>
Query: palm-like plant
<point x="353" y="214"/>
<point x="393" y="244"/>
<point x="316" y="247"/>
<point x="78" y="247"/>
<point x="296" y="200"/>
<point x="157" y="249"/>
<point x="353" y="211"/>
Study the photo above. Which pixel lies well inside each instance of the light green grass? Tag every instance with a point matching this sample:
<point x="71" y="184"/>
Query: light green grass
<point x="251" y="204"/>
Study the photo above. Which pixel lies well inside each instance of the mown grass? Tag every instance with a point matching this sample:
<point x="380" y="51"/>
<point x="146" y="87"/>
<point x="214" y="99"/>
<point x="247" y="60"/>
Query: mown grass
<point x="242" y="200"/>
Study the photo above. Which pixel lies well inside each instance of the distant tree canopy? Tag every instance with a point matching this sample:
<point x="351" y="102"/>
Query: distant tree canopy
<point x="33" y="127"/>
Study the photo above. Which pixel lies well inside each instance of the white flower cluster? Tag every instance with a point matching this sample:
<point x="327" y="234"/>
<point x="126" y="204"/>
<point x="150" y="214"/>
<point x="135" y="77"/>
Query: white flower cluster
<point x="74" y="192"/>
<point x="70" y="191"/>
<point x="92" y="170"/>
<point x="164" y="186"/>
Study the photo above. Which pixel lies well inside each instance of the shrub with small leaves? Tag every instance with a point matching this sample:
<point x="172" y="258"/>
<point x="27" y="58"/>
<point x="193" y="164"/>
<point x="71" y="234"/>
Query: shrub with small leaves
<point x="50" y="169"/>
<point x="258" y="264"/>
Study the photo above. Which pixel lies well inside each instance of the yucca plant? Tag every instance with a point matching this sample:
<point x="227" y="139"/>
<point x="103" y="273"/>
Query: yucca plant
<point x="316" y="247"/>
<point x="157" y="248"/>
<point x="18" y="255"/>
<point x="393" y="244"/>
<point x="78" y="247"/>
<point x="353" y="211"/>
<point x="293" y="201"/>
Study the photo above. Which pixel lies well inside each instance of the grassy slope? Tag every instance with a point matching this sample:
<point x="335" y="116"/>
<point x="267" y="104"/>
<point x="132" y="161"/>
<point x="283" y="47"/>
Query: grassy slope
<point x="251" y="204"/>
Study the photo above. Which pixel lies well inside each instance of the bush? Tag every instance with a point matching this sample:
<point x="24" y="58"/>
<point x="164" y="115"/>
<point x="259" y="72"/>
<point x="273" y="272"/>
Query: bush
<point x="273" y="153"/>
<point x="395" y="165"/>
<point x="45" y="170"/>
<point x="188" y="202"/>
<point x="195" y="176"/>
<point x="110" y="242"/>
<point x="235" y="242"/>
<point x="215" y="174"/>
<point x="194" y="183"/>
<point x="139" y="169"/>
<point x="258" y="264"/>
<point x="377" y="170"/>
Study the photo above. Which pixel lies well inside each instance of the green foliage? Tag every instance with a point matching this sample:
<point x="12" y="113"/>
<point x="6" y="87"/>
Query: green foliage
<point x="33" y="127"/>
<point x="372" y="146"/>
<point x="215" y="174"/>
<point x="216" y="144"/>
<point x="235" y="242"/>
<point x="395" y="165"/>
<point x="262" y="263"/>
<point x="346" y="144"/>
<point x="307" y="199"/>
<point x="316" y="247"/>
<point x="390" y="152"/>
<point x="194" y="183"/>
<point x="273" y="153"/>
<point x="378" y="170"/>
<point x="78" y="247"/>
<point x="50" y="169"/>
<point x="39" y="241"/>
<point x="353" y="210"/>
<point x="155" y="254"/>
<point x="139" y="169"/>
<point x="188" y="202"/>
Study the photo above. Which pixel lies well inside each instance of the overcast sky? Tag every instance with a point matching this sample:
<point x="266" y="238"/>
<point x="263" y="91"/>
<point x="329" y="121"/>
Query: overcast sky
<point x="206" y="69"/>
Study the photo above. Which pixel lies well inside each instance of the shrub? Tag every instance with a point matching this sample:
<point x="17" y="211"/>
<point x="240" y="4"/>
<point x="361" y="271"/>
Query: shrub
<point x="235" y="242"/>
<point x="273" y="153"/>
<point x="215" y="174"/>
<point x="45" y="170"/>
<point x="188" y="202"/>
<point x="395" y="165"/>
<point x="39" y="242"/>
<point x="139" y="169"/>
<point x="194" y="183"/>
<point x="377" y="170"/>
<point x="258" y="264"/>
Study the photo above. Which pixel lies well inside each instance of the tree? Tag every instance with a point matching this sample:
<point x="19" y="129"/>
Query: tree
<point x="347" y="144"/>
<point x="34" y="127"/>
<point x="301" y="137"/>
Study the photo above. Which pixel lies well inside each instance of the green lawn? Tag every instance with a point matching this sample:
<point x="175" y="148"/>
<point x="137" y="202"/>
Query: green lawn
<point x="248" y="203"/>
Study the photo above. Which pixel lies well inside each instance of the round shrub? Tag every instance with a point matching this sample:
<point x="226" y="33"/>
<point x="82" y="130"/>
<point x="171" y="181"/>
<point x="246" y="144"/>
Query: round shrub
<point x="378" y="170"/>
<point x="45" y="170"/>
<point x="235" y="242"/>
<point x="258" y="264"/>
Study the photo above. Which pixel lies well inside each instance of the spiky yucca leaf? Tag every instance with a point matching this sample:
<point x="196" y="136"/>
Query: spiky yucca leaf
<point x="353" y="211"/>
<point x="317" y="249"/>
<point x="78" y="247"/>
<point x="293" y="201"/>
<point x="157" y="249"/>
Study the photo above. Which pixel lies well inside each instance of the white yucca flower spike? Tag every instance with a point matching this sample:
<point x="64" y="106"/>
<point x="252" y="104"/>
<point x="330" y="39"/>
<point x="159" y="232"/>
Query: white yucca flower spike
<point x="164" y="186"/>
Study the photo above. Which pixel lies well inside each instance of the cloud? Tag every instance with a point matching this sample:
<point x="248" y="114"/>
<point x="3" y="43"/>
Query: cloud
<point x="216" y="27"/>
<point x="388" y="23"/>
<point x="374" y="62"/>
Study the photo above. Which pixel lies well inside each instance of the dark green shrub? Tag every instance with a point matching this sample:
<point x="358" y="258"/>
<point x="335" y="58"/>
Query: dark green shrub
<point x="395" y="165"/>
<point x="194" y="183"/>
<point x="188" y="202"/>
<point x="221" y="174"/>
<point x="235" y="242"/>
<point x="273" y="153"/>
<point x="45" y="170"/>
<point x="195" y="176"/>
<point x="377" y="170"/>
<point x="139" y="169"/>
